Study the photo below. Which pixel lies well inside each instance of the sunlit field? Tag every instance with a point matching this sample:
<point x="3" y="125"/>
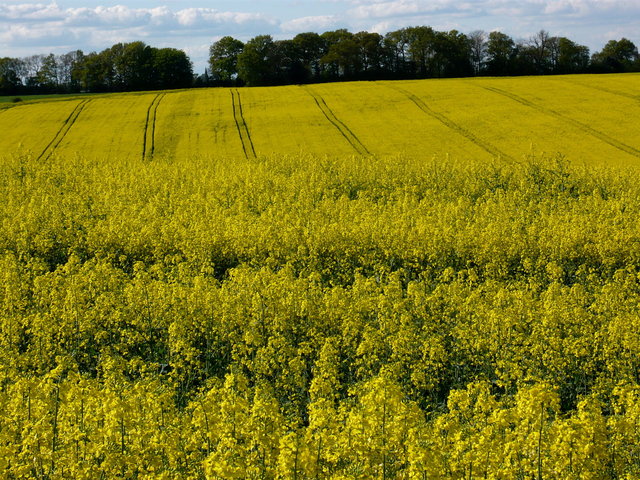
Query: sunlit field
<point x="434" y="279"/>
<point x="590" y="119"/>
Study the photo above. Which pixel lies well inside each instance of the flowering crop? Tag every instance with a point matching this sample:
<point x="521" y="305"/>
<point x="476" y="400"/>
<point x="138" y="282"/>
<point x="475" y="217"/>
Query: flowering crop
<point x="585" y="117"/>
<point x="176" y="312"/>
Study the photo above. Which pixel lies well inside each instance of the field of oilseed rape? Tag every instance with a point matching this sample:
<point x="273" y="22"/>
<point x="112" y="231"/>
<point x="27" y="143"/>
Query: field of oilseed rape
<point x="432" y="279"/>
<point x="587" y="118"/>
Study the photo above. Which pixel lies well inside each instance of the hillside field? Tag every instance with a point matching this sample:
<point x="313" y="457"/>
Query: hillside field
<point x="588" y="118"/>
<point x="414" y="280"/>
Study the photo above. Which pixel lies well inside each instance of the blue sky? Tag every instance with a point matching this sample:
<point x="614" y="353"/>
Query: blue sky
<point x="28" y="28"/>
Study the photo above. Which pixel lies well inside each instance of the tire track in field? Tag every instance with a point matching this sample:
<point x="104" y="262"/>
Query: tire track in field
<point x="579" y="125"/>
<point x="487" y="147"/>
<point x="602" y="89"/>
<point x="338" y="124"/>
<point x="5" y="107"/>
<point x="149" y="140"/>
<point x="64" y="129"/>
<point x="241" y="125"/>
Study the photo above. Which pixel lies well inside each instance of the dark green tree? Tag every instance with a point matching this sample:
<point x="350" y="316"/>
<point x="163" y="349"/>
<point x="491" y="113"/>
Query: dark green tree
<point x="452" y="56"/>
<point x="501" y="52"/>
<point x="372" y="53"/>
<point x="289" y="65"/>
<point x="256" y="62"/>
<point x="397" y="48"/>
<point x="617" y="56"/>
<point x="223" y="58"/>
<point x="9" y="80"/>
<point x="572" y="57"/>
<point x="311" y="48"/>
<point x="342" y="59"/>
<point x="113" y="77"/>
<point x="135" y="66"/>
<point x="422" y="49"/>
<point x="172" y="68"/>
<point x="93" y="72"/>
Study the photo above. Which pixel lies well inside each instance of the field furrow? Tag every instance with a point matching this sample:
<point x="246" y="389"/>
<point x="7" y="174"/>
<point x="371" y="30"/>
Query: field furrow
<point x="610" y="107"/>
<point x="338" y="124"/>
<point x="287" y="120"/>
<point x="601" y="89"/>
<point x="148" y="142"/>
<point x="241" y="125"/>
<point x="64" y="129"/>
<point x="30" y="128"/>
<point x="586" y="118"/>
<point x="581" y="126"/>
<point x="110" y="126"/>
<point x="492" y="150"/>
<point x="196" y="123"/>
<point x="388" y="122"/>
<point x="625" y="84"/>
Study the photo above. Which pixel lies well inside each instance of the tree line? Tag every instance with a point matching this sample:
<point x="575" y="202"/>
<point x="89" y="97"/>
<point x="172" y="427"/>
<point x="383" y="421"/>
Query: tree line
<point x="338" y="55"/>
<point x="414" y="52"/>
<point x="122" y="67"/>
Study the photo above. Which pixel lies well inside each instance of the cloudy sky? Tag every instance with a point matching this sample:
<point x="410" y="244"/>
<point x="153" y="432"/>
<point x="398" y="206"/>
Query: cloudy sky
<point x="192" y="25"/>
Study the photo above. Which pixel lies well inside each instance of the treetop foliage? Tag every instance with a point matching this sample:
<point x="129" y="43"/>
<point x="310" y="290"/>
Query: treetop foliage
<point x="122" y="67"/>
<point x="413" y="52"/>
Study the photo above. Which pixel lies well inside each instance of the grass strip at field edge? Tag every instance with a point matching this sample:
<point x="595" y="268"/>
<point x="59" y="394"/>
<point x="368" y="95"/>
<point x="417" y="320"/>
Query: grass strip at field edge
<point x="152" y="113"/>
<point x="487" y="147"/>
<point x="345" y="131"/>
<point x="581" y="126"/>
<point x="241" y="125"/>
<point x="64" y="129"/>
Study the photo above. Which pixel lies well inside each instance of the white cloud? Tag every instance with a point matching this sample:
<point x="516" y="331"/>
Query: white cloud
<point x="28" y="28"/>
<point x="386" y="9"/>
<point x="30" y="11"/>
<point x="20" y="34"/>
<point x="313" y="23"/>
<point x="43" y="27"/>
<point x="378" y="9"/>
<point x="43" y="19"/>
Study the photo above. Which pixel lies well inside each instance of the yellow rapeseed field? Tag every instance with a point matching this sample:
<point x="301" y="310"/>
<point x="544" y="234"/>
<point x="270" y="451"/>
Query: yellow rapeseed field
<point x="405" y="280"/>
<point x="589" y="119"/>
